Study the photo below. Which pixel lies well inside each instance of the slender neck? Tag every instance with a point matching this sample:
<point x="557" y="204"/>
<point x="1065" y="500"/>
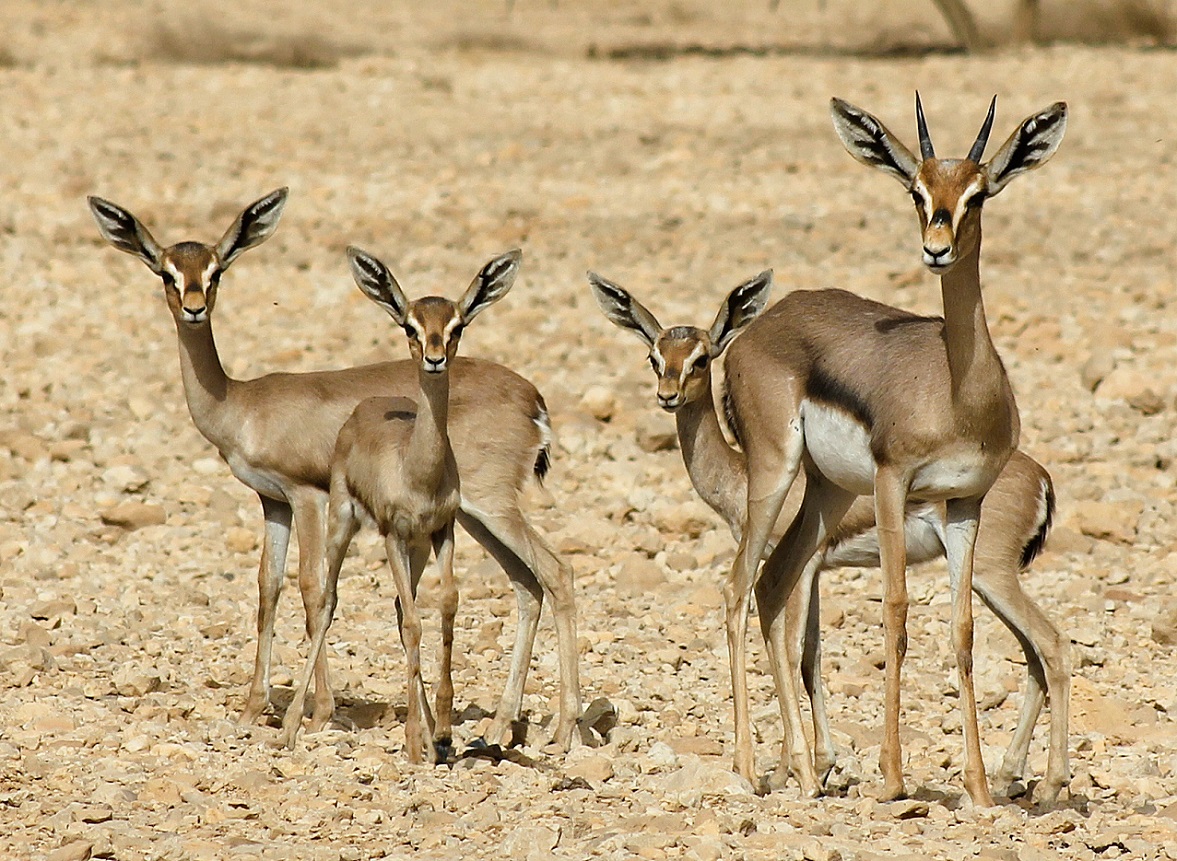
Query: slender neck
<point x="429" y="444"/>
<point x="717" y="470"/>
<point x="206" y="385"/>
<point x="972" y="359"/>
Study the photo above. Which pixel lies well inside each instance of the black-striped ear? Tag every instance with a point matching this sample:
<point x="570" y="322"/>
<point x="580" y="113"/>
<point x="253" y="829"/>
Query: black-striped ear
<point x="253" y="226"/>
<point x="869" y="141"/>
<point x="125" y="232"/>
<point x="490" y="284"/>
<point x="739" y="309"/>
<point x="623" y="310"/>
<point x="377" y="283"/>
<point x="1030" y="146"/>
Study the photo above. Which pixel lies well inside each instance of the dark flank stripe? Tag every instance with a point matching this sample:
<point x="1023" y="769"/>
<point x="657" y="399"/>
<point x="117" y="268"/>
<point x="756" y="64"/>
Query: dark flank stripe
<point x="729" y="415"/>
<point x="827" y="389"/>
<point x="543" y="462"/>
<point x="1034" y="545"/>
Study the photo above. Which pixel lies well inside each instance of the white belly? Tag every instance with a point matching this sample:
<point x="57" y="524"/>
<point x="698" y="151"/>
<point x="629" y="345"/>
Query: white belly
<point x="839" y="446"/>
<point x="261" y="481"/>
<point x="955" y="474"/>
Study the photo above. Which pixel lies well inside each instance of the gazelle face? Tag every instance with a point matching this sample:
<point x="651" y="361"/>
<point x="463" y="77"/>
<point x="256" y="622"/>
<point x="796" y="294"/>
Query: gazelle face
<point x="681" y="357"/>
<point x="191" y="273"/>
<point x="434" y="327"/>
<point x="948" y="195"/>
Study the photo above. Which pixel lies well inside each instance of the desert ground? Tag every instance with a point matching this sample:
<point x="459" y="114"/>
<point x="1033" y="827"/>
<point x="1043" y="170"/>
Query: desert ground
<point x="677" y="148"/>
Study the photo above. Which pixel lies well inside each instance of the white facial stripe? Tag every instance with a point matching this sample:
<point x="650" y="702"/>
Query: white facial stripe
<point x="689" y="365"/>
<point x="962" y="202"/>
<point x="926" y="197"/>
<point x="454" y="322"/>
<point x="209" y="271"/>
<point x="658" y="362"/>
<point x="177" y="275"/>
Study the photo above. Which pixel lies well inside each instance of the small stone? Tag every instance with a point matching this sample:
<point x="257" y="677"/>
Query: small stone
<point x="77" y="850"/>
<point x="134" y="515"/>
<point x="240" y="540"/>
<point x="655" y="432"/>
<point x="599" y="402"/>
<point x="132" y="681"/>
<point x="586" y="763"/>
<point x="125" y="477"/>
<point x="1108" y="521"/>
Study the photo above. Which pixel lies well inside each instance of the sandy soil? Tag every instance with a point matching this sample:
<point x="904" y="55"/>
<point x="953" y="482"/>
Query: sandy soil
<point x="437" y="139"/>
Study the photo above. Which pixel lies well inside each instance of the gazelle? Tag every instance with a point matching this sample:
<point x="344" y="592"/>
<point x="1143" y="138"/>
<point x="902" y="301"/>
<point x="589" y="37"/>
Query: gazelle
<point x="1016" y="516"/>
<point x="873" y="398"/>
<point x="277" y="433"/>
<point x="393" y="462"/>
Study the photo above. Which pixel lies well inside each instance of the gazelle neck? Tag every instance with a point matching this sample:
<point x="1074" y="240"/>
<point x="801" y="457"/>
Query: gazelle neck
<point x="206" y="385"/>
<point x="429" y="444"/>
<point x="717" y="470"/>
<point x="973" y="362"/>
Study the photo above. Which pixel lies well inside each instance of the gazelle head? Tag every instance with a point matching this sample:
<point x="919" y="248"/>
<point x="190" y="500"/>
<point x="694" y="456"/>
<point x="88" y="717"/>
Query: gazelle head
<point x="681" y="356"/>
<point x="191" y="271"/>
<point x="949" y="193"/>
<point x="433" y="324"/>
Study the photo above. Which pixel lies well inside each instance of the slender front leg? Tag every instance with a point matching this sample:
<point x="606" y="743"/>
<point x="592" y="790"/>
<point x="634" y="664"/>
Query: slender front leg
<point x="343" y="526"/>
<point x="310" y="518"/>
<point x="890" y="499"/>
<point x="443" y="732"/>
<point x="960" y="541"/>
<point x="275" y="542"/>
<point x="410" y="629"/>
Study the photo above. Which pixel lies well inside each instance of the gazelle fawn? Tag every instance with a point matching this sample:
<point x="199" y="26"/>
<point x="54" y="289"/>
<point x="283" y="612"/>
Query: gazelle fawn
<point x="277" y="434"/>
<point x="1015" y="518"/>
<point x="393" y="462"/>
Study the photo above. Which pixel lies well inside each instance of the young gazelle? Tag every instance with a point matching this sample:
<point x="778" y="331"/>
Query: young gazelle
<point x="277" y="433"/>
<point x="1016" y="516"/>
<point x="393" y="462"/>
<point x="872" y="398"/>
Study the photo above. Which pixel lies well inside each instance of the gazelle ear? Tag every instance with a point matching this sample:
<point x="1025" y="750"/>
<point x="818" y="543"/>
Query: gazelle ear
<point x="377" y="283"/>
<point x="623" y="310"/>
<point x="125" y="232"/>
<point x="739" y="309"/>
<point x="490" y="284"/>
<point x="869" y="141"/>
<point x="253" y="226"/>
<point x="1030" y="146"/>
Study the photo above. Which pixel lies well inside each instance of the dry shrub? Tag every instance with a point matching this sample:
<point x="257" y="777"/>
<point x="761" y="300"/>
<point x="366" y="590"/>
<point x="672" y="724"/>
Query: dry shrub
<point x="205" y="42"/>
<point x="1098" y="22"/>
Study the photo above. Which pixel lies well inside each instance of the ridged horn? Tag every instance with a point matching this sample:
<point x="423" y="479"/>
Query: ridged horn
<point x="978" y="149"/>
<point x="926" y="149"/>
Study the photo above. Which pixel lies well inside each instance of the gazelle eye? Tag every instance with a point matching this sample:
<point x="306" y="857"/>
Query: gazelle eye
<point x="456" y="332"/>
<point x="917" y="199"/>
<point x="975" y="201"/>
<point x="169" y="279"/>
<point x="653" y="363"/>
<point x="215" y="278"/>
<point x="702" y="362"/>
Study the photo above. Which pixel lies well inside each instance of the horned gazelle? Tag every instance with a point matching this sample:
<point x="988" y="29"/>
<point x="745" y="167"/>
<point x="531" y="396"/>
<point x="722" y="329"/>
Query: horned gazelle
<point x="277" y="433"/>
<point x="872" y="398"/>
<point x="1016" y="516"/>
<point x="393" y="462"/>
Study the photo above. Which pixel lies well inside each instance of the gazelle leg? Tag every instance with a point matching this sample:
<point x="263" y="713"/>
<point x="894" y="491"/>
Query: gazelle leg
<point x="533" y="569"/>
<point x="409" y="619"/>
<point x="960" y="541"/>
<point x="769" y="482"/>
<point x="310" y="518"/>
<point x="823" y="743"/>
<point x="343" y="526"/>
<point x="1048" y="673"/>
<point x="271" y="572"/>
<point x="785" y="597"/>
<point x="443" y="732"/>
<point x="890" y="498"/>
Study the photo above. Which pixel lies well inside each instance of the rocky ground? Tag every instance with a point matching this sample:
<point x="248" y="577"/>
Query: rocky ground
<point x="591" y="135"/>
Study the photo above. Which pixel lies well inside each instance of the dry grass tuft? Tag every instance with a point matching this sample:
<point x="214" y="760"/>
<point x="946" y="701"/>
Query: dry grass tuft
<point x="204" y="42"/>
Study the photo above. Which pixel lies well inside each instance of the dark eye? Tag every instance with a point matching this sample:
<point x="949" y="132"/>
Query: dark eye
<point x="169" y="280"/>
<point x="702" y="362"/>
<point x="975" y="201"/>
<point x="917" y="199"/>
<point x="653" y="363"/>
<point x="456" y="332"/>
<point x="411" y="331"/>
<point x="215" y="278"/>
